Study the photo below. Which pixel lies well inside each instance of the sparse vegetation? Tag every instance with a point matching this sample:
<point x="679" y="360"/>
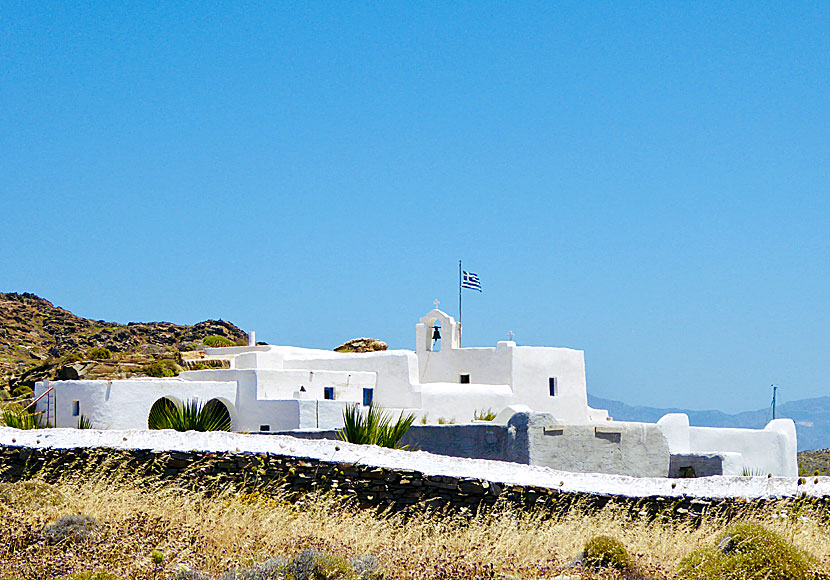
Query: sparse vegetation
<point x="446" y="421"/>
<point x="216" y="341"/>
<point x="484" y="415"/>
<point x="223" y="535"/>
<point x="374" y="427"/>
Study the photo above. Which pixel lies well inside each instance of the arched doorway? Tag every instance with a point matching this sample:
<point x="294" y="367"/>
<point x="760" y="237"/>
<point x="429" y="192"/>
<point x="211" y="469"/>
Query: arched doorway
<point x="161" y="409"/>
<point x="220" y="413"/>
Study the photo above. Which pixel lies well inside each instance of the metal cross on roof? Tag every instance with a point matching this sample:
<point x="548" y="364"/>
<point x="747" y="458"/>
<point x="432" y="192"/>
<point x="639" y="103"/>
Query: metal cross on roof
<point x="510" y="336"/>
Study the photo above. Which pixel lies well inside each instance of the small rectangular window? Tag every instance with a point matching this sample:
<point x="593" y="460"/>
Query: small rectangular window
<point x="265" y="428"/>
<point x="76" y="408"/>
<point x="552" y="386"/>
<point x="464" y="379"/>
<point x="368" y="394"/>
<point x="328" y="393"/>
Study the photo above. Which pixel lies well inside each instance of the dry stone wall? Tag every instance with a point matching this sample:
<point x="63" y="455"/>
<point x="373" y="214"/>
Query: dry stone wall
<point x="367" y="485"/>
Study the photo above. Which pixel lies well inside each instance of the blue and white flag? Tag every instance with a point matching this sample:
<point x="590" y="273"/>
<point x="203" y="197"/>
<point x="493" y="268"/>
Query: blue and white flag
<point x="471" y="281"/>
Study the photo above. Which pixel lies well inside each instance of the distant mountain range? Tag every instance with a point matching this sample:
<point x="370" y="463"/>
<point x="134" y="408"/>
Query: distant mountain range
<point x="811" y="416"/>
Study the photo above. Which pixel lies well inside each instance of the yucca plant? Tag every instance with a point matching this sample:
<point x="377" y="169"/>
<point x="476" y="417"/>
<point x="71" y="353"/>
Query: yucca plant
<point x="19" y="418"/>
<point x="84" y="422"/>
<point x="192" y="415"/>
<point x="375" y="427"/>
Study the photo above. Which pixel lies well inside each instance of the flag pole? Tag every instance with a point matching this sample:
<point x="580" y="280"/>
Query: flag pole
<point x="459" y="291"/>
<point x="459" y="303"/>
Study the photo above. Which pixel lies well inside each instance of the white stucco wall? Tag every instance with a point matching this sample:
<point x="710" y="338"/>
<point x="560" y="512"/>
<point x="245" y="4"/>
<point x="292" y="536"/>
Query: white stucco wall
<point x="125" y="404"/>
<point x="486" y="366"/>
<point x="396" y="372"/>
<point x="457" y="402"/>
<point x="533" y="366"/>
<point x="769" y="450"/>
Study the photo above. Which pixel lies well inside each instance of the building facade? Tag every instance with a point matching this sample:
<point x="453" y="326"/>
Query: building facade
<point x="283" y="388"/>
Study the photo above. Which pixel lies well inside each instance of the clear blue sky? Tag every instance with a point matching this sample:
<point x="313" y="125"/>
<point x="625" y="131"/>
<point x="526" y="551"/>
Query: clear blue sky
<point x="644" y="181"/>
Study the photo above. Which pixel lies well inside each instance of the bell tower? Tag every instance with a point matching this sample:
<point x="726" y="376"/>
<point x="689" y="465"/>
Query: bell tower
<point x="437" y="331"/>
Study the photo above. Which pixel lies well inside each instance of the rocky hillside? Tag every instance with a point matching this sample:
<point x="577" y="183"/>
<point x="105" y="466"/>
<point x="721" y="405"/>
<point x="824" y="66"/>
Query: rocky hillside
<point x="816" y="461"/>
<point x="41" y="341"/>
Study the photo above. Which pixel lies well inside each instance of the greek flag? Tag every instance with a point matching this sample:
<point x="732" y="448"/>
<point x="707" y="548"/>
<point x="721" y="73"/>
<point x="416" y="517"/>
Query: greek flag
<point x="471" y="281"/>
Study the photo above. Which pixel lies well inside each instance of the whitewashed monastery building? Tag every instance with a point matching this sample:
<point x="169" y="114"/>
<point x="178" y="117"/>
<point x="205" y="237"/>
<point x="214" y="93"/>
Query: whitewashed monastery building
<point x="539" y="394"/>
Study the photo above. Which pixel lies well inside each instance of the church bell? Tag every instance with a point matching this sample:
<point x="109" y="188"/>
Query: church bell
<point x="436" y="332"/>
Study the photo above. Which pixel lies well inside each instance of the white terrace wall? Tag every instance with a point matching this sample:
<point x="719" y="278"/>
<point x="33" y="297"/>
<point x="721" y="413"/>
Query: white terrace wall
<point x="772" y="449"/>
<point x="769" y="450"/>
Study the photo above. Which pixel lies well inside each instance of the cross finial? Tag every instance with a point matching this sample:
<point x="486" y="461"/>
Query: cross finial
<point x="510" y="336"/>
<point x="436" y="302"/>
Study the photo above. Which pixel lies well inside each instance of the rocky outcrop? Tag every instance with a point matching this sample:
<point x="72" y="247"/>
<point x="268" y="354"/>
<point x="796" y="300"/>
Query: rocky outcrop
<point x="41" y="341"/>
<point x="362" y="345"/>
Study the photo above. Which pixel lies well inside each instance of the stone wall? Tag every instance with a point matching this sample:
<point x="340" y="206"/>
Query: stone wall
<point x="367" y="485"/>
<point x="618" y="448"/>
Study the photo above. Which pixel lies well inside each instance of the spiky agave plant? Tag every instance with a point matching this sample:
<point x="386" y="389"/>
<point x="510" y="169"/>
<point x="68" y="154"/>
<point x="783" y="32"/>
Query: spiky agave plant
<point x="192" y="415"/>
<point x="374" y="427"/>
<point x="20" y="418"/>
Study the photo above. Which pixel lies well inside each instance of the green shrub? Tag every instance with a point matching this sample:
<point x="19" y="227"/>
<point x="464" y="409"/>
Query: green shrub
<point x="84" y="422"/>
<point x="375" y="427"/>
<point x="22" y="391"/>
<point x="607" y="552"/>
<point x="99" y="353"/>
<point x="216" y="341"/>
<point x="19" y="418"/>
<point x="446" y="421"/>
<point x="747" y="551"/>
<point x="484" y="415"/>
<point x="191" y="416"/>
<point x="71" y="357"/>
<point x="161" y="368"/>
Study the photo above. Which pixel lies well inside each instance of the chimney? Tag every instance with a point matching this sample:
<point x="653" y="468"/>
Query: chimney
<point x="252" y="338"/>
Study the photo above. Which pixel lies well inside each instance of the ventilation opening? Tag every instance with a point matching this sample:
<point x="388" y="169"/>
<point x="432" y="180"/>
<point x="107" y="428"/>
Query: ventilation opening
<point x="552" y="386"/>
<point x="76" y="408"/>
<point x="328" y="393"/>
<point x="264" y="428"/>
<point x="464" y="379"/>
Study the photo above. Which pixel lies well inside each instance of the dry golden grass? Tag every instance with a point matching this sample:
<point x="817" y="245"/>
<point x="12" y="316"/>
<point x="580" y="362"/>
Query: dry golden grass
<point x="216" y="533"/>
